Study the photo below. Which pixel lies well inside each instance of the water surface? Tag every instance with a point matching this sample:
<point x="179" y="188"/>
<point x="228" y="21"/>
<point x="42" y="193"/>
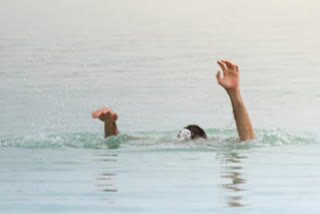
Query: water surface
<point x="153" y="62"/>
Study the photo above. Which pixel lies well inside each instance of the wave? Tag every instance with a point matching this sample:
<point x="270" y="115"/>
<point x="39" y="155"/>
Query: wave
<point x="220" y="139"/>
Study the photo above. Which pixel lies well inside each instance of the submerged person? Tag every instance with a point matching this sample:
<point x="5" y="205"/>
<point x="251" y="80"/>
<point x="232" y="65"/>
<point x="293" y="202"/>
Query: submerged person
<point x="230" y="82"/>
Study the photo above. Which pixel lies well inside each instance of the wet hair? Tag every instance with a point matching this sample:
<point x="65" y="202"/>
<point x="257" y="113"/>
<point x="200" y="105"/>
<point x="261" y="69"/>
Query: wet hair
<point x="196" y="132"/>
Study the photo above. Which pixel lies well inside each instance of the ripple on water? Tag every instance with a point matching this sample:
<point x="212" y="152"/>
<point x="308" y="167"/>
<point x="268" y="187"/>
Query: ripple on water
<point x="220" y="140"/>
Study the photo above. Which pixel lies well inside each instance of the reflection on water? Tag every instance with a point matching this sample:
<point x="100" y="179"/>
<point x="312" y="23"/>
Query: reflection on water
<point x="232" y="178"/>
<point x="232" y="170"/>
<point x="105" y="178"/>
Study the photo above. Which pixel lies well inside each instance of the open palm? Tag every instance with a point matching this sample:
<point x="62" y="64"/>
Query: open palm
<point x="230" y="80"/>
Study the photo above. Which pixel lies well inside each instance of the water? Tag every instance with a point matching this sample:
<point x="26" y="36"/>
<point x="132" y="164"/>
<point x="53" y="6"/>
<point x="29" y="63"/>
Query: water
<point x="83" y="173"/>
<point x="153" y="62"/>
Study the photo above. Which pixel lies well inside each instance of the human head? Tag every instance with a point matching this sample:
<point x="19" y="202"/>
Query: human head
<point x="192" y="132"/>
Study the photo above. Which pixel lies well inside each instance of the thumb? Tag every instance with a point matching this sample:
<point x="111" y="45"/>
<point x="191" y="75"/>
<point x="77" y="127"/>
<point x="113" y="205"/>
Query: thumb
<point x="219" y="76"/>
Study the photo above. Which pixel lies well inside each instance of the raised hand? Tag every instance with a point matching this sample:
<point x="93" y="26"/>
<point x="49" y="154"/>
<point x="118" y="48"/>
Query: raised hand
<point x="105" y="114"/>
<point x="109" y="118"/>
<point x="231" y="79"/>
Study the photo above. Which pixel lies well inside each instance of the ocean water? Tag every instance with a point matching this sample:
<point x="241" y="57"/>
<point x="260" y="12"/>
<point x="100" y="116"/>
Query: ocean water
<point x="153" y="62"/>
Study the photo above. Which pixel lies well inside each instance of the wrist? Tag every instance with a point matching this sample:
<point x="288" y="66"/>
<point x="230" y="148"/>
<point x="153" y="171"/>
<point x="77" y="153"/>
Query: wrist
<point x="233" y="93"/>
<point x="235" y="97"/>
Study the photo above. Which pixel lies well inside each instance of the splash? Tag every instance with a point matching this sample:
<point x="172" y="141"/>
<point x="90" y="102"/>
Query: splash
<point x="221" y="139"/>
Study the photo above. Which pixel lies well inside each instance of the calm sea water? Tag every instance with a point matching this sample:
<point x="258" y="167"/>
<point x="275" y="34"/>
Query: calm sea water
<point x="153" y="62"/>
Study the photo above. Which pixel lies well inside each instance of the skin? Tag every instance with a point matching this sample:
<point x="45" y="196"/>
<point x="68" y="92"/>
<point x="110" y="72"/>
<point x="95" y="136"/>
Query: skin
<point x="109" y="118"/>
<point x="230" y="82"/>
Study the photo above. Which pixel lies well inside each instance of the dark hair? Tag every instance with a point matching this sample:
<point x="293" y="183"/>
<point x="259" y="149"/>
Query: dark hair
<point x="196" y="132"/>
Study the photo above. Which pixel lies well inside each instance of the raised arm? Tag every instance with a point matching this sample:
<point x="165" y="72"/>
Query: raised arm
<point x="230" y="82"/>
<point x="109" y="118"/>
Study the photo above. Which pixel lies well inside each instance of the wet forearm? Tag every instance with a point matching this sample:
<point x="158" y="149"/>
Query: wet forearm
<point x="241" y="116"/>
<point x="110" y="128"/>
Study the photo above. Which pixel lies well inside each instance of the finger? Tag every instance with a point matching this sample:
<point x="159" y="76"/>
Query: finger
<point x="102" y="118"/>
<point x="236" y="66"/>
<point x="222" y="65"/>
<point x="115" y="116"/>
<point x="105" y="110"/>
<point x="219" y="76"/>
<point x="229" y="64"/>
<point x="93" y="114"/>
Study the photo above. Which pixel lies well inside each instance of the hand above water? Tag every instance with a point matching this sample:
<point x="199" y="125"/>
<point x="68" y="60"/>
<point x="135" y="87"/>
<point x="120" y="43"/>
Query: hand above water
<point x="109" y="118"/>
<point x="230" y="80"/>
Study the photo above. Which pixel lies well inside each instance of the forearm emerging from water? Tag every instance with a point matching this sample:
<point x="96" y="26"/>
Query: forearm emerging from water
<point x="241" y="116"/>
<point x="109" y="118"/>
<point x="230" y="82"/>
<point x="110" y="128"/>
